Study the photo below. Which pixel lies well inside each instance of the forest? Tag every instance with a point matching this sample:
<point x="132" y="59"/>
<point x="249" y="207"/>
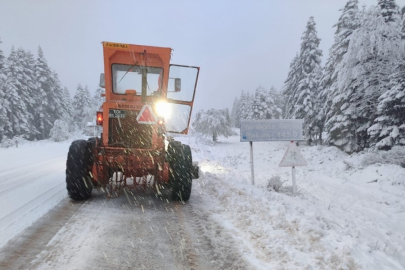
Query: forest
<point x="33" y="101"/>
<point x="357" y="99"/>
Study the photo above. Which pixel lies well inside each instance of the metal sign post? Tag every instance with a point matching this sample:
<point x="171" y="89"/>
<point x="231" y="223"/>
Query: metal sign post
<point x="252" y="170"/>
<point x="293" y="158"/>
<point x="293" y="181"/>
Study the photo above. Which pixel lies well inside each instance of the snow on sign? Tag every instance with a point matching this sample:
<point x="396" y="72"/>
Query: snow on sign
<point x="146" y="115"/>
<point x="271" y="130"/>
<point x="292" y="157"/>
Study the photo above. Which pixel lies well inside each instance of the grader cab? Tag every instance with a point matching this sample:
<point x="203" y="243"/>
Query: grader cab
<point x="146" y="98"/>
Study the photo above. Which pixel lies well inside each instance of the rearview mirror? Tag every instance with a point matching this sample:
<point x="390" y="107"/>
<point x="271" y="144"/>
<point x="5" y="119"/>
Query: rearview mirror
<point x="177" y="85"/>
<point x="102" y="80"/>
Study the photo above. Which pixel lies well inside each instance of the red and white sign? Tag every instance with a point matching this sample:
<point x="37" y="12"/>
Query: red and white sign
<point x="146" y="115"/>
<point x="292" y="157"/>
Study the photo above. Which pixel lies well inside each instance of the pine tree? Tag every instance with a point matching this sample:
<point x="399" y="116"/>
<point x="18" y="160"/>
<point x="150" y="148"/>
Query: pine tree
<point x="266" y="104"/>
<point x="27" y="89"/>
<point x="374" y="50"/>
<point x="389" y="10"/>
<point x="81" y="105"/>
<point x="260" y="105"/>
<point x="17" y="113"/>
<point x="245" y="110"/>
<point x="403" y="23"/>
<point x="347" y="23"/>
<point x="389" y="127"/>
<point x="276" y="104"/>
<point x="234" y="113"/>
<point x="290" y="88"/>
<point x="67" y="101"/>
<point x="307" y="92"/>
<point x="43" y="117"/>
<point x="4" y="105"/>
<point x="98" y="99"/>
<point x="63" y="108"/>
<point x="213" y="123"/>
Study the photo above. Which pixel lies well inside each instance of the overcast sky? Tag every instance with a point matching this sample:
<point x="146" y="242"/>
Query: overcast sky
<point x="238" y="44"/>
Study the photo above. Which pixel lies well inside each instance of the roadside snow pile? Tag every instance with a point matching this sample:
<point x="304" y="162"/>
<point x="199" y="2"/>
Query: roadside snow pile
<point x="14" y="142"/>
<point x="348" y="213"/>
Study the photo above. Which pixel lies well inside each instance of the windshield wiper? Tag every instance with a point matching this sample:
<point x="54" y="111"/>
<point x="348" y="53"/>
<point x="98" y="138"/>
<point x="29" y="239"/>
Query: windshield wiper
<point x="134" y="65"/>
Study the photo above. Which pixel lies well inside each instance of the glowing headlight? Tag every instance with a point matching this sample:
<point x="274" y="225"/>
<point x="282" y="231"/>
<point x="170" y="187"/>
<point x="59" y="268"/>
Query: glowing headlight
<point x="163" y="109"/>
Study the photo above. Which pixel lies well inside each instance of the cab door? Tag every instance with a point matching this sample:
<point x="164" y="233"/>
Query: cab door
<point x="181" y="88"/>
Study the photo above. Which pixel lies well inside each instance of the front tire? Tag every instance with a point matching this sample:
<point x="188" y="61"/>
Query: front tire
<point x="180" y="177"/>
<point x="78" y="165"/>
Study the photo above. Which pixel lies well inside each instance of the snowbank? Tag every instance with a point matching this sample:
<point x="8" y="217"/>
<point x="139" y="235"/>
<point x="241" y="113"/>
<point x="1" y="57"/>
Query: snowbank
<point x="348" y="213"/>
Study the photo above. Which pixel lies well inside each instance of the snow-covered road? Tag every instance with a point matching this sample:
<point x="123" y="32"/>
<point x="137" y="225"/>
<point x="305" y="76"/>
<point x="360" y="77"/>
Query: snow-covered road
<point x="31" y="183"/>
<point x="347" y="215"/>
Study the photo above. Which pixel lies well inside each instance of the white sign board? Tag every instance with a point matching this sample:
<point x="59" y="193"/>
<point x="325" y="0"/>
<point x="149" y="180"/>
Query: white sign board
<point x="271" y="130"/>
<point x="292" y="157"/>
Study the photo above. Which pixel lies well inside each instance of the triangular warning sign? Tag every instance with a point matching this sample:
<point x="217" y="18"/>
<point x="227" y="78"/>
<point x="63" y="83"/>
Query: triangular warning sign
<point x="146" y="116"/>
<point x="292" y="157"/>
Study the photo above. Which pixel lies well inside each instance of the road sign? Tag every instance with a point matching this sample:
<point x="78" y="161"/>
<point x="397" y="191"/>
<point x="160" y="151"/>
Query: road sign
<point x="292" y="157"/>
<point x="271" y="130"/>
<point x="146" y="115"/>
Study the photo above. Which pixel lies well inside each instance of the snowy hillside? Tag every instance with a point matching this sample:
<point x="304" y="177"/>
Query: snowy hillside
<point x="346" y="215"/>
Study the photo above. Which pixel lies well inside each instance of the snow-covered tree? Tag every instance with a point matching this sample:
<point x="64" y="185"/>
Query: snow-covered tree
<point x="44" y="118"/>
<point x="347" y="23"/>
<point x="389" y="127"/>
<point x="389" y="10"/>
<point x="59" y="131"/>
<point x="276" y="104"/>
<point x="27" y="89"/>
<point x="265" y="104"/>
<point x="67" y="101"/>
<point x="373" y="53"/>
<point x="235" y="122"/>
<point x="245" y="110"/>
<point x="63" y="110"/>
<point x="81" y="106"/>
<point x="290" y="88"/>
<point x="242" y="109"/>
<point x="260" y="104"/>
<point x="213" y="123"/>
<point x="4" y="105"/>
<point x="307" y="93"/>
<point x="98" y="99"/>
<point x="17" y="113"/>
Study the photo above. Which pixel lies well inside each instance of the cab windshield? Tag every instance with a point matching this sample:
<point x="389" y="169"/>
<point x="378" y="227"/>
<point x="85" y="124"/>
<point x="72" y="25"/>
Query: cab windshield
<point x="127" y="77"/>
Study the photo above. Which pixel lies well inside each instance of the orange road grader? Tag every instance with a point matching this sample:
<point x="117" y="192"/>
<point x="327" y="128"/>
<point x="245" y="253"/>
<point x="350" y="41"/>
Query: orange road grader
<point x="146" y="98"/>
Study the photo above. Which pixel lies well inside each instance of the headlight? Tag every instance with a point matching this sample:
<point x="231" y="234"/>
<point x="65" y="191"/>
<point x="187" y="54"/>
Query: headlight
<point x="163" y="109"/>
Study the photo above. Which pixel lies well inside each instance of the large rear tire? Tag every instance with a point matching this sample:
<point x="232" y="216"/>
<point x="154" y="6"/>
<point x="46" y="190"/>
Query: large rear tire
<point x="78" y="165"/>
<point x="180" y="177"/>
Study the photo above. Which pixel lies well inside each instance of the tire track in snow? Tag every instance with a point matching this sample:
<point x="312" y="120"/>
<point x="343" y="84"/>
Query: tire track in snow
<point x="27" y="207"/>
<point x="23" y="251"/>
<point x="31" y="177"/>
<point x="15" y="222"/>
<point x="27" y="170"/>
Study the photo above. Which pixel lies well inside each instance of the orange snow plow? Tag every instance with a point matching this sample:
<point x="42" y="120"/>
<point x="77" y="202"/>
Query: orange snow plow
<point x="146" y="98"/>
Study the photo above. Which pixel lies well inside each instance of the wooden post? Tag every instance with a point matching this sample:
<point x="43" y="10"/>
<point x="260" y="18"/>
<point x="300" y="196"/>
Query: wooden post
<point x="251" y="163"/>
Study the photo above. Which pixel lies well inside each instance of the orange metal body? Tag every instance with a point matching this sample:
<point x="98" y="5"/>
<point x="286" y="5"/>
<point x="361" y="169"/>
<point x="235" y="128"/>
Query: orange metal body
<point x="132" y="162"/>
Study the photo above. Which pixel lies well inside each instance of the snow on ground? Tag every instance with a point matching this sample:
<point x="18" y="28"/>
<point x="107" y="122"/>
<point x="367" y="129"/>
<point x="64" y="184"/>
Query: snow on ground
<point x="346" y="215"/>
<point x="32" y="181"/>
